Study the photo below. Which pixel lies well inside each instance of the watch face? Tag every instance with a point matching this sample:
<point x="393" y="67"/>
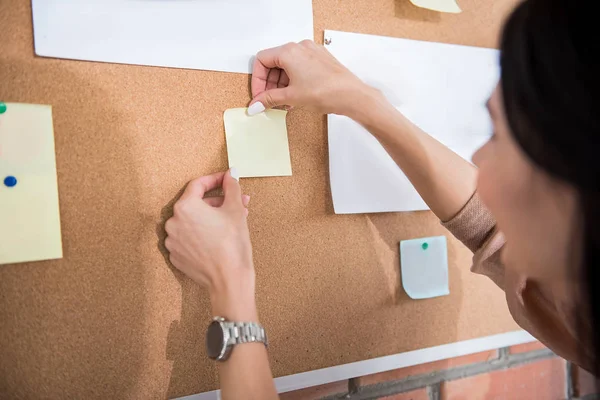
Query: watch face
<point x="214" y="340"/>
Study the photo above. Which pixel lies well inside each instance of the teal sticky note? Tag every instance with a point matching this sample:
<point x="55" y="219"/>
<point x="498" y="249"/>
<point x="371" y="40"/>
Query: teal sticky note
<point x="424" y="266"/>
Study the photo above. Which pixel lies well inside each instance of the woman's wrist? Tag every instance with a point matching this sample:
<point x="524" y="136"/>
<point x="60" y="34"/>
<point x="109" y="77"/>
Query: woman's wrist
<point x="365" y="104"/>
<point x="374" y="112"/>
<point x="235" y="300"/>
<point x="238" y="310"/>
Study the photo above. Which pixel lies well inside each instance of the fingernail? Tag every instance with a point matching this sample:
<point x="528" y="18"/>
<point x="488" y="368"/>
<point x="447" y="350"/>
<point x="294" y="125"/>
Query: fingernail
<point x="256" y="108"/>
<point x="234" y="173"/>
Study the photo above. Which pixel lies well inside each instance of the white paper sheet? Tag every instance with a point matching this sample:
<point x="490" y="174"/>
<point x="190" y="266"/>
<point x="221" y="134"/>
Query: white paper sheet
<point x="440" y="87"/>
<point x="220" y="35"/>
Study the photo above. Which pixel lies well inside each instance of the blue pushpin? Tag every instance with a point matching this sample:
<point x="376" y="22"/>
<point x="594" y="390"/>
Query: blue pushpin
<point x="10" y="181"/>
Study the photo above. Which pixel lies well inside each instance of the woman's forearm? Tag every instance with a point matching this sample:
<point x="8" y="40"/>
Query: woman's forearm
<point x="444" y="179"/>
<point x="246" y="374"/>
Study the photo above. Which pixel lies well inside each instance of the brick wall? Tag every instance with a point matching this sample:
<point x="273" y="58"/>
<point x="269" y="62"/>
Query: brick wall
<point x="529" y="371"/>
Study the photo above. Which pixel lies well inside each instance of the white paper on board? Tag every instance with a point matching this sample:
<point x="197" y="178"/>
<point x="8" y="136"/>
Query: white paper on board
<point x="442" y="88"/>
<point x="219" y="35"/>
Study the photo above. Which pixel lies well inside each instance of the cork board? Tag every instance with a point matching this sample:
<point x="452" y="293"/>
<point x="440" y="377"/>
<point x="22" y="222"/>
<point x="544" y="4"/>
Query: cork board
<point x="112" y="320"/>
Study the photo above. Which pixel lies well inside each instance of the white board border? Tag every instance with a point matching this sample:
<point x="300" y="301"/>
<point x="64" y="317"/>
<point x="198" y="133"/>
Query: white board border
<point x="387" y="363"/>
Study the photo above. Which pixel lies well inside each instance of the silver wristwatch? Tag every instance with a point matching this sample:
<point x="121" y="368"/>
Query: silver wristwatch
<point x="222" y="335"/>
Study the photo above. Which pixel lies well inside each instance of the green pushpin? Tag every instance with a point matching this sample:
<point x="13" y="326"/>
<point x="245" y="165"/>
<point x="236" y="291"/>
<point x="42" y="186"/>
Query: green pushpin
<point x="425" y="246"/>
<point x="2" y="107"/>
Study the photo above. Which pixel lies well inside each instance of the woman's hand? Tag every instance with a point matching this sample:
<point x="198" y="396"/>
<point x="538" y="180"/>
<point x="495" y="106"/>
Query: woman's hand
<point x="209" y="241"/>
<point x="304" y="74"/>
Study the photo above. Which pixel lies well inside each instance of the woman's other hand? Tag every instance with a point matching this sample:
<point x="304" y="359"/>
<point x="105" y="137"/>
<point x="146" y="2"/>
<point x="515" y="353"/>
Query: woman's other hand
<point x="304" y="74"/>
<point x="208" y="240"/>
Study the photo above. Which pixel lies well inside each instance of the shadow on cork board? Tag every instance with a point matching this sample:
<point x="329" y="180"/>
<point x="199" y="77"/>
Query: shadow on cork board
<point x="186" y="332"/>
<point x="404" y="9"/>
<point x="74" y="326"/>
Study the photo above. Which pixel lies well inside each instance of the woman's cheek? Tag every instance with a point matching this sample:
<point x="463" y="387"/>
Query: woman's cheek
<point x="486" y="189"/>
<point x="490" y="193"/>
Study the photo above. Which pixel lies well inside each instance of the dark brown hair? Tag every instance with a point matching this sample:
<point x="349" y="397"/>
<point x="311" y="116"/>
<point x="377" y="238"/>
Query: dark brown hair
<point x="549" y="80"/>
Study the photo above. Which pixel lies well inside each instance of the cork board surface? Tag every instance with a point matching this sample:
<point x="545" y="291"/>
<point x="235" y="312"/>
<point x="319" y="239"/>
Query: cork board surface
<point x="112" y="320"/>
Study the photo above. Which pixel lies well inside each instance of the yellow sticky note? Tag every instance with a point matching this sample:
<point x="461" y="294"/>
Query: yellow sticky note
<point x="29" y="213"/>
<point x="258" y="145"/>
<point x="449" y="6"/>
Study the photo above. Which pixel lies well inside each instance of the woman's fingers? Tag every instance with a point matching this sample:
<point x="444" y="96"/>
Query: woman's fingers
<point x="211" y="244"/>
<point x="284" y="80"/>
<point x="245" y="200"/>
<point x="273" y="78"/>
<point x="308" y="75"/>
<point x="260" y="74"/>
<point x="270" y="99"/>
<point x="265" y="61"/>
<point x="275" y="57"/>
<point x="199" y="186"/>
<point x="267" y="78"/>
<point x="217" y="201"/>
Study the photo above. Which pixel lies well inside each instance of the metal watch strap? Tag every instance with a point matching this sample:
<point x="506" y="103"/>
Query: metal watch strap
<point x="245" y="332"/>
